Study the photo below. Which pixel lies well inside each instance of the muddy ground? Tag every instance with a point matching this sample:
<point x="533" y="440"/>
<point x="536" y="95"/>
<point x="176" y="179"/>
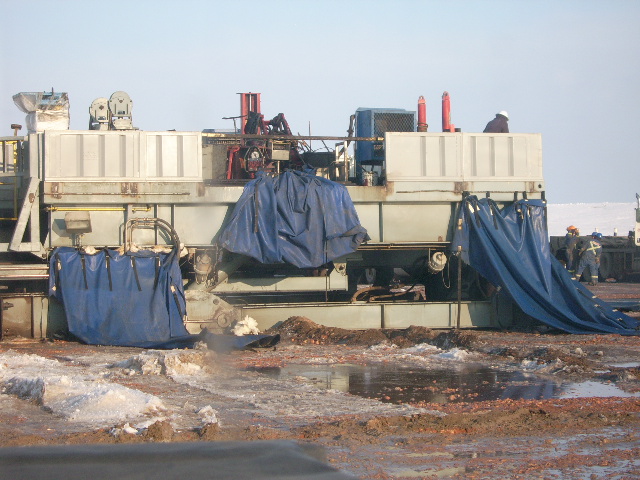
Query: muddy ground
<point x="387" y="435"/>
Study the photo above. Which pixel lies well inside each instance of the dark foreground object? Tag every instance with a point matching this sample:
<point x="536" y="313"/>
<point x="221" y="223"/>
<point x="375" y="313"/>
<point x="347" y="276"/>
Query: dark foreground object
<point x="260" y="460"/>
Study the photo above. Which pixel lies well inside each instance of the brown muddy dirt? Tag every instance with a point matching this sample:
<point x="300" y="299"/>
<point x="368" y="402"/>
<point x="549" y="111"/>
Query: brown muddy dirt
<point x="556" y="438"/>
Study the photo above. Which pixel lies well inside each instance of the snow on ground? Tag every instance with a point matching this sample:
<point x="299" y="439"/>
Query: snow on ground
<point x="76" y="396"/>
<point x="589" y="217"/>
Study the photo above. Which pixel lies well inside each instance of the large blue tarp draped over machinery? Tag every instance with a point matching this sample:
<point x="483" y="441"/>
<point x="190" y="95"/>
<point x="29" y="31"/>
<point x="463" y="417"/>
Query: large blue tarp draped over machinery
<point x="296" y="218"/>
<point x="510" y="248"/>
<point x="133" y="299"/>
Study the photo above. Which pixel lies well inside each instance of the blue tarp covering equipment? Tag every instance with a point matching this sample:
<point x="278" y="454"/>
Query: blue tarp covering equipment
<point x="134" y="300"/>
<point x="296" y="218"/>
<point x="510" y="248"/>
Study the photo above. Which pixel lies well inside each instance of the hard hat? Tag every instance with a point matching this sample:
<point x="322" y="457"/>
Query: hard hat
<point x="571" y="228"/>
<point x="599" y="235"/>
<point x="595" y="234"/>
<point x="504" y="114"/>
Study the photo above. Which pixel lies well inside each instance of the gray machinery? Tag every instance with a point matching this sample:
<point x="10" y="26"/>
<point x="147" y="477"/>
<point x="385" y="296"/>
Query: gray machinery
<point x="99" y="114"/>
<point x="140" y="176"/>
<point x="120" y="111"/>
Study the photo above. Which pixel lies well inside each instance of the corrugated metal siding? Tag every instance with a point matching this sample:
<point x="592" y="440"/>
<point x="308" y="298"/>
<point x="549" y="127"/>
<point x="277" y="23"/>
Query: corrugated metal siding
<point x="463" y="156"/>
<point x="123" y="155"/>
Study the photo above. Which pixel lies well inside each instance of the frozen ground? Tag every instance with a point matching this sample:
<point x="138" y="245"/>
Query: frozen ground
<point x="68" y="393"/>
<point x="601" y="217"/>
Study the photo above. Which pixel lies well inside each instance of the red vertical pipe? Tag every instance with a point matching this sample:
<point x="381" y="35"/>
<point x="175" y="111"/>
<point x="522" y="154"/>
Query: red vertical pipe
<point x="422" y="114"/>
<point x="249" y="102"/>
<point x="446" y="112"/>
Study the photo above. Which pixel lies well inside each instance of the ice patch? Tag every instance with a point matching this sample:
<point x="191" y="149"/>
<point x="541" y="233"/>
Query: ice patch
<point x="454" y="354"/>
<point x="246" y="326"/>
<point x="422" y="348"/>
<point x="78" y="398"/>
<point x="170" y="363"/>
<point x="381" y="347"/>
<point x="208" y="414"/>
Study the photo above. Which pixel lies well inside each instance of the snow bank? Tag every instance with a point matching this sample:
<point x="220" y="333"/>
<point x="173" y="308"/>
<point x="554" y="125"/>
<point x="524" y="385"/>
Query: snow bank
<point x="78" y="398"/>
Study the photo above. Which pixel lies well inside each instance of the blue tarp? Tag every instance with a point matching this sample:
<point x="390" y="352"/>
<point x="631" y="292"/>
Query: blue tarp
<point x="134" y="299"/>
<point x="294" y="217"/>
<point x="510" y="248"/>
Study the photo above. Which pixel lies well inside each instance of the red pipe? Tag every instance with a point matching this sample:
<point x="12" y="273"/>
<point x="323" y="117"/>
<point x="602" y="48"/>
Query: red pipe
<point x="447" y="126"/>
<point x="422" y="114"/>
<point x="249" y="102"/>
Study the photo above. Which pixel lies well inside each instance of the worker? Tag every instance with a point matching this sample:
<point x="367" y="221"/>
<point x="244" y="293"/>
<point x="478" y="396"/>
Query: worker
<point x="500" y="124"/>
<point x="571" y="240"/>
<point x="590" y="257"/>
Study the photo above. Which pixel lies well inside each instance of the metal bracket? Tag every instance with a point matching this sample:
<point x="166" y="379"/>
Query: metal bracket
<point x="29" y="214"/>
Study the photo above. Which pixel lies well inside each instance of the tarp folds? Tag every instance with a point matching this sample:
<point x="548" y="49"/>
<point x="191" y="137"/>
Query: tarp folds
<point x="296" y="218"/>
<point x="135" y="299"/>
<point x="510" y="248"/>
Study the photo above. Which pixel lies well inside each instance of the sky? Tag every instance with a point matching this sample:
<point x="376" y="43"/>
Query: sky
<point x="567" y="69"/>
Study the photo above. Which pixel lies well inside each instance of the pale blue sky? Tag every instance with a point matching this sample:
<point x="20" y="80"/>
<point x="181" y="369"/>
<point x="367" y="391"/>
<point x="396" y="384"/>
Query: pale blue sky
<point x="567" y="69"/>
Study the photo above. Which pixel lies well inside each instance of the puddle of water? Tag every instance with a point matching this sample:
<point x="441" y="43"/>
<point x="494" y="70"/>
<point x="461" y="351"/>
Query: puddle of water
<point x="594" y="389"/>
<point x="471" y="383"/>
<point x="625" y="365"/>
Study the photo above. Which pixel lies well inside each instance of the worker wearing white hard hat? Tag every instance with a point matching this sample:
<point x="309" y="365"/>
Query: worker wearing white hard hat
<point x="500" y="124"/>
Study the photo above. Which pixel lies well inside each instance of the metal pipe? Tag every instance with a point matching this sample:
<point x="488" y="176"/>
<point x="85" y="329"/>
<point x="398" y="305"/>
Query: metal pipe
<point x="459" y="278"/>
<point x="291" y="137"/>
<point x="459" y="285"/>
<point x="225" y="270"/>
<point x="447" y="126"/>
<point x="88" y="209"/>
<point x="422" y="115"/>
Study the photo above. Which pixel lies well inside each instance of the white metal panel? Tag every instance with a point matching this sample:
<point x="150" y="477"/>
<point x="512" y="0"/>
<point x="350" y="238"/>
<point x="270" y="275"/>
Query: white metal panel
<point x="173" y="155"/>
<point x="412" y="222"/>
<point x="463" y="157"/>
<point x="122" y="155"/>
<point x="369" y="216"/>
